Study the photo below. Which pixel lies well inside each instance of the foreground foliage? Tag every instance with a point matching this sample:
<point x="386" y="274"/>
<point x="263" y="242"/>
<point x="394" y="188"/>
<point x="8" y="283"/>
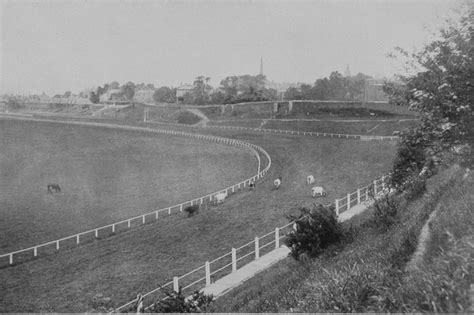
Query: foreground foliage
<point x="315" y="230"/>
<point x="442" y="91"/>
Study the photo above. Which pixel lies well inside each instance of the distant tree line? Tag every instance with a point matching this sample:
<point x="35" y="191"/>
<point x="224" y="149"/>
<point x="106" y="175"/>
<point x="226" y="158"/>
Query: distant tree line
<point x="243" y="88"/>
<point x="232" y="89"/>
<point x="334" y="87"/>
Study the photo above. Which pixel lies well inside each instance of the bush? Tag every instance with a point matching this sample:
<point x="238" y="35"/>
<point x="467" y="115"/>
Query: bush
<point x="385" y="212"/>
<point x="316" y="229"/>
<point x="414" y="187"/>
<point x="175" y="302"/>
<point x="191" y="210"/>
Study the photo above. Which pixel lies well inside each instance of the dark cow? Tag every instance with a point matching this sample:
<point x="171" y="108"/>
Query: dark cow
<point x="53" y="188"/>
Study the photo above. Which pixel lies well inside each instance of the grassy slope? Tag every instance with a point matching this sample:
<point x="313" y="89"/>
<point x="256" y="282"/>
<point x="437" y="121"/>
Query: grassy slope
<point x="105" y="175"/>
<point x="139" y="261"/>
<point x="368" y="272"/>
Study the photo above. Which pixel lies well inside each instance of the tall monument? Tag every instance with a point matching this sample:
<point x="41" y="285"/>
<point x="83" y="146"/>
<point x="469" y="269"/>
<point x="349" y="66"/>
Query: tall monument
<point x="261" y="65"/>
<point x="347" y="73"/>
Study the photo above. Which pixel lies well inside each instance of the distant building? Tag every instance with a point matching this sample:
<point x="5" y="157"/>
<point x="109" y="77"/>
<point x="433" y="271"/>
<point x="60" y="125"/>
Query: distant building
<point x="112" y="95"/>
<point x="144" y="96"/>
<point x="374" y="90"/>
<point x="181" y="90"/>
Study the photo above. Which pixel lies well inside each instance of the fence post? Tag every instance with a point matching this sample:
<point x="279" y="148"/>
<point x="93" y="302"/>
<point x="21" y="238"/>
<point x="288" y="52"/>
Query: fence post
<point x="257" y="249"/>
<point x="234" y="260"/>
<point x="128" y="223"/>
<point x="358" y="195"/>
<point x="366" y="193"/>
<point x="375" y="187"/>
<point x="277" y="237"/>
<point x="77" y="238"/>
<point x="175" y="284"/>
<point x="113" y="228"/>
<point x="208" y="273"/>
<point x="11" y="259"/>
<point x="337" y="206"/>
<point x="156" y="215"/>
<point x="169" y="210"/>
<point x="143" y="219"/>
<point x="96" y="233"/>
<point x="348" y="201"/>
<point x="35" y="251"/>
<point x="181" y="207"/>
<point x="57" y="245"/>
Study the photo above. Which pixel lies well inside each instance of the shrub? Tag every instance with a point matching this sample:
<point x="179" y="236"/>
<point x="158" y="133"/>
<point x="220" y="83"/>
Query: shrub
<point x="176" y="302"/>
<point x="385" y="212"/>
<point x="191" y="210"/>
<point x="316" y="229"/>
<point x="415" y="187"/>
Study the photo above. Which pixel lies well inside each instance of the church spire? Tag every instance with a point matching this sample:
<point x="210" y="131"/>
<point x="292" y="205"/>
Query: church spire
<point x="347" y="73"/>
<point x="261" y="65"/>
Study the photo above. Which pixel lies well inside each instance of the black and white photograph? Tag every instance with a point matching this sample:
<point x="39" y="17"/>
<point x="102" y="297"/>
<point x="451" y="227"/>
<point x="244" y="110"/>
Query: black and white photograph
<point x="238" y="156"/>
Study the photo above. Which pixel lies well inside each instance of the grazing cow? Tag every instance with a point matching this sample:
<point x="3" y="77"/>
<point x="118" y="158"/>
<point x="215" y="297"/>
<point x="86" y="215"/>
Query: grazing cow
<point x="220" y="197"/>
<point x="53" y="187"/>
<point x="318" y="191"/>
<point x="309" y="180"/>
<point x="277" y="182"/>
<point x="252" y="184"/>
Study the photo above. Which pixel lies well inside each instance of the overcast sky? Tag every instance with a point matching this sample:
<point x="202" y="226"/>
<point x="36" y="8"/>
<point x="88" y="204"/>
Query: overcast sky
<point x="55" y="46"/>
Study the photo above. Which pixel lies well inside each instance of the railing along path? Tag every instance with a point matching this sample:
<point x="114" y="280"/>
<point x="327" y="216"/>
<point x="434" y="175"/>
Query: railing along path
<point x="228" y="263"/>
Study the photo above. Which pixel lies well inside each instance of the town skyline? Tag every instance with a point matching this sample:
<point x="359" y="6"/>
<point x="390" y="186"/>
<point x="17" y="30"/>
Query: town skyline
<point x="49" y="47"/>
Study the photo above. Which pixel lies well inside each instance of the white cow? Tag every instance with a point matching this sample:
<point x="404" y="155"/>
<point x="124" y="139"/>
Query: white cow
<point x="277" y="182"/>
<point x="220" y="197"/>
<point x="318" y="191"/>
<point x="309" y="180"/>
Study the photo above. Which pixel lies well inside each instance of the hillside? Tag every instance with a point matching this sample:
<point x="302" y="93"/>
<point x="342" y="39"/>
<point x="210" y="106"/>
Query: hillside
<point x="403" y="268"/>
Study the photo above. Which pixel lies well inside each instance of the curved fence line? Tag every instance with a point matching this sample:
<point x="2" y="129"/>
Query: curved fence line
<point x="126" y="224"/>
<point x="228" y="263"/>
<point x="286" y="132"/>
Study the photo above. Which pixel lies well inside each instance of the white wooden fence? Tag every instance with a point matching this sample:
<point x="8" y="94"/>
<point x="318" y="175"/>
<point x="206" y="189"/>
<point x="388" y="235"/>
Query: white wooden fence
<point x="286" y="132"/>
<point x="228" y="263"/>
<point x="116" y="227"/>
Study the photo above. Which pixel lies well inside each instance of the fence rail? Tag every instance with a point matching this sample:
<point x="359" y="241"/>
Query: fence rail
<point x="113" y="228"/>
<point x="265" y="242"/>
<point x="286" y="132"/>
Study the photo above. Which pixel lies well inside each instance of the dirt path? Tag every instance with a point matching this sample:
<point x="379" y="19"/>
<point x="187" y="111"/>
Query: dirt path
<point x="197" y="112"/>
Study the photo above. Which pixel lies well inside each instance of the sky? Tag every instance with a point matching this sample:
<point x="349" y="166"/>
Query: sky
<point x="58" y="46"/>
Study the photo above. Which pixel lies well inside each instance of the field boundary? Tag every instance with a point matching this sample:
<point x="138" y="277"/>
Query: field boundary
<point x="286" y="132"/>
<point x="203" y="276"/>
<point x="113" y="228"/>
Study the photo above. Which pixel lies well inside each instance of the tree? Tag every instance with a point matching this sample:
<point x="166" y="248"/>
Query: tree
<point x="13" y="104"/>
<point x="67" y="94"/>
<point x="94" y="98"/>
<point x="442" y="91"/>
<point x="165" y="94"/>
<point x="316" y="229"/>
<point x="128" y="90"/>
<point x="114" y="85"/>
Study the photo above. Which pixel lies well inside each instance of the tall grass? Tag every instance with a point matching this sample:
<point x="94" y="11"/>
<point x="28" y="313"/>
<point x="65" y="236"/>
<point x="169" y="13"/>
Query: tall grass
<point x="369" y="274"/>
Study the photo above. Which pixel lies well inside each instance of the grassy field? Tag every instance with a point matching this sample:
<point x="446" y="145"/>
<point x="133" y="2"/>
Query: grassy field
<point x="138" y="261"/>
<point x="105" y="176"/>
<point x="372" y="270"/>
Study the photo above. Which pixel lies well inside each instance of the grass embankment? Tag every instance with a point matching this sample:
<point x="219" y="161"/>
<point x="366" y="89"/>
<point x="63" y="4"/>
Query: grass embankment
<point x="369" y="273"/>
<point x="139" y="261"/>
